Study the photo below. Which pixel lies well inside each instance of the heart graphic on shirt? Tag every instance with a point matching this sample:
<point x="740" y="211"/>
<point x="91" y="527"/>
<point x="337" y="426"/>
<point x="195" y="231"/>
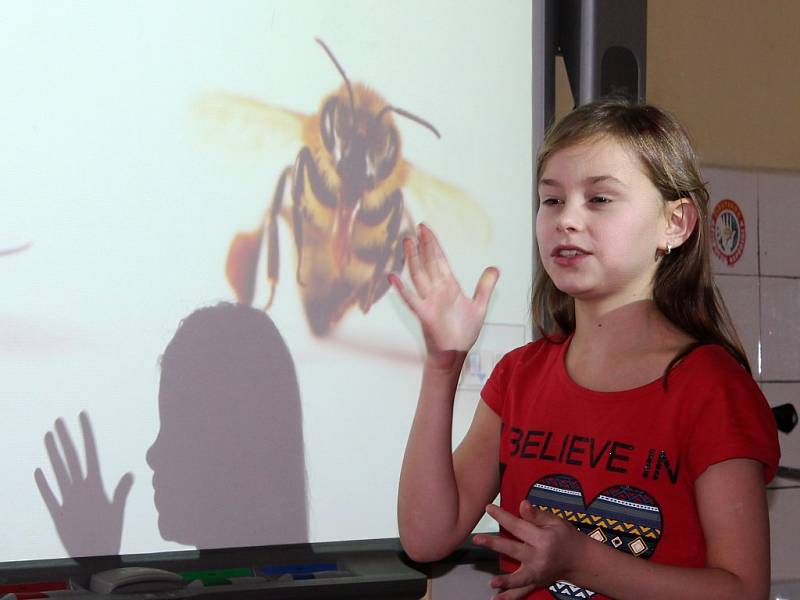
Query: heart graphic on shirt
<point x="623" y="517"/>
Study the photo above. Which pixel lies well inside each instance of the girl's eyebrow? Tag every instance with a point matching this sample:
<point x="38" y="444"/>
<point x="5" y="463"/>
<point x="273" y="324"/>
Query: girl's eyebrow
<point x="550" y="182"/>
<point x="588" y="180"/>
<point x="603" y="178"/>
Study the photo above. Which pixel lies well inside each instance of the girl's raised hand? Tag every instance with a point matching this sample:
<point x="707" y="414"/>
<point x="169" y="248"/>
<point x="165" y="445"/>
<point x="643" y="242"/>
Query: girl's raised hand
<point x="450" y="320"/>
<point x="547" y="549"/>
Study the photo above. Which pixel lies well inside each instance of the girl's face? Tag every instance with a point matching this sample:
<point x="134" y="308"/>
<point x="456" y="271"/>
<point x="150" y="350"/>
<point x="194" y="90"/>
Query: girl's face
<point x="600" y="223"/>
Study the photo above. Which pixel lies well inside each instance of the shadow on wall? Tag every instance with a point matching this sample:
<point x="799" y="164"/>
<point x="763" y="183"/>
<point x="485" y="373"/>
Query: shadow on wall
<point x="229" y="460"/>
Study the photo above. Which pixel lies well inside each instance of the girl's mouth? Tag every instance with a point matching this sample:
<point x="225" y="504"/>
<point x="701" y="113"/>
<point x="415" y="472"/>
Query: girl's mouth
<point x="568" y="255"/>
<point x="565" y="250"/>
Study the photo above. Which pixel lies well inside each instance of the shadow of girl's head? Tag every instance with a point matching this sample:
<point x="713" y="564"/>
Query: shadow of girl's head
<point x="228" y="462"/>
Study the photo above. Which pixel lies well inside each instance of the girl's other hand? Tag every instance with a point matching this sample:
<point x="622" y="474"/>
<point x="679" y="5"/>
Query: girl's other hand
<point x="547" y="549"/>
<point x="450" y="320"/>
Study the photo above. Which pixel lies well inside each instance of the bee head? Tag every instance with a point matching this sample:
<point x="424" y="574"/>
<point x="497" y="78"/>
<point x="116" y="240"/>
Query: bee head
<point x="364" y="148"/>
<point x="358" y="132"/>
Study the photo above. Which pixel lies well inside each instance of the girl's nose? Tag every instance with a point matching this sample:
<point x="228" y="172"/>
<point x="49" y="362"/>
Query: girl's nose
<point x="569" y="218"/>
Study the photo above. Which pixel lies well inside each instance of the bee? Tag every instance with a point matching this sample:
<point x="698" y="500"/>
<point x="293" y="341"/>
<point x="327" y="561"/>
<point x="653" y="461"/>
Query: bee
<point x="342" y="199"/>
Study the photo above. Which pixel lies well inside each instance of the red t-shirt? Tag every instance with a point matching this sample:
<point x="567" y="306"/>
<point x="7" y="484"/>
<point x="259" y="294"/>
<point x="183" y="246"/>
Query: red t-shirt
<point x="621" y="466"/>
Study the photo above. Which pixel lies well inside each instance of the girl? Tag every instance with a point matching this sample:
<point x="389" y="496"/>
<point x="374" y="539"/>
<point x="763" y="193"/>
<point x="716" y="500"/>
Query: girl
<point x="632" y="442"/>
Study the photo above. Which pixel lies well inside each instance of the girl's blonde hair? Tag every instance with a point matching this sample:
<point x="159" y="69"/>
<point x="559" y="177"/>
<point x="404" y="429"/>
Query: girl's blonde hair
<point x="683" y="287"/>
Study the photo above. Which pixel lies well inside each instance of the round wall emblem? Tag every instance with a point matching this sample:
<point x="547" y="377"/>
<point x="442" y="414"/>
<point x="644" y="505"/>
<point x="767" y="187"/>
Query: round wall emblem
<point x="728" y="231"/>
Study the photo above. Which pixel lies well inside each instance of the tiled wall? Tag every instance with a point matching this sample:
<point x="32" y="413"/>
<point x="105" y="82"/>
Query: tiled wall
<point x="758" y="273"/>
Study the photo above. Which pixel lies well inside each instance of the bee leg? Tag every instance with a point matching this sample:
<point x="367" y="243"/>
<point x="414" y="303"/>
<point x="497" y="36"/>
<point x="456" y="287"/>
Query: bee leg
<point x="380" y="284"/>
<point x="273" y="250"/>
<point x="398" y="257"/>
<point x="392" y="249"/>
<point x="297" y="223"/>
<point x="298" y="190"/>
<point x="240" y="266"/>
<point x="311" y="196"/>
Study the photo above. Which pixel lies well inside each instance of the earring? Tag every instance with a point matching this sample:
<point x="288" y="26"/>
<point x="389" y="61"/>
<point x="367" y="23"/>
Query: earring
<point x="669" y="248"/>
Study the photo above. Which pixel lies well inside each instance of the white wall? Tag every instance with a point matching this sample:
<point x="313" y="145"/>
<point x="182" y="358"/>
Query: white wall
<point x="762" y="291"/>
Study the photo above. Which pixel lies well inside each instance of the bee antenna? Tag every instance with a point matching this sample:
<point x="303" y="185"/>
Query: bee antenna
<point x="342" y="73"/>
<point x="408" y="115"/>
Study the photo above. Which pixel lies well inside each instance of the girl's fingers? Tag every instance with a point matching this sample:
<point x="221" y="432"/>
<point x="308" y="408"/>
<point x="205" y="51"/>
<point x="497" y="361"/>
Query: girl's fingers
<point x="47" y="493"/>
<point x="518" y="579"/>
<point x="411" y="299"/>
<point x="434" y="260"/>
<point x="500" y="582"/>
<point x="537" y="516"/>
<point x="419" y="275"/>
<point x="520" y="529"/>
<point x="499" y="514"/>
<point x="514" y="583"/>
<point x="501" y="545"/>
<point x="90" y="448"/>
<point x="59" y="468"/>
<point x="485" y="287"/>
<point x="516" y="593"/>
<point x="70" y="453"/>
<point x="122" y="490"/>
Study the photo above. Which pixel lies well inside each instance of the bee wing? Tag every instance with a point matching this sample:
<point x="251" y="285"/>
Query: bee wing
<point x="244" y="125"/>
<point x="445" y="202"/>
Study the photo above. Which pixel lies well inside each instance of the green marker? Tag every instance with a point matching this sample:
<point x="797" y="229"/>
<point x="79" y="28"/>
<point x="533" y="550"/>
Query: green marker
<point x="217" y="576"/>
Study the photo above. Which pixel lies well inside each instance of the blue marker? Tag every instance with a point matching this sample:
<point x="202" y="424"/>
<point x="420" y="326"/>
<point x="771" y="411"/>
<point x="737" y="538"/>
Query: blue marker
<point x="301" y="570"/>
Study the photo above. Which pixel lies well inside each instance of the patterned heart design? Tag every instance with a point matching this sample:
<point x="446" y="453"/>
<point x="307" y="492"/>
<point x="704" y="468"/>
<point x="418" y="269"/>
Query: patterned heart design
<point x="623" y="517"/>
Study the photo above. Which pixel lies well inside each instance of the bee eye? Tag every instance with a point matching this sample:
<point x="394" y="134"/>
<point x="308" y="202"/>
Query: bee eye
<point x="327" y="125"/>
<point x="388" y="154"/>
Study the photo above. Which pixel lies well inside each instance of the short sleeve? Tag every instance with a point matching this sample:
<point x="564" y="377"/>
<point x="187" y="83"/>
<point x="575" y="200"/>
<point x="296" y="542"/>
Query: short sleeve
<point x="495" y="388"/>
<point x="729" y="418"/>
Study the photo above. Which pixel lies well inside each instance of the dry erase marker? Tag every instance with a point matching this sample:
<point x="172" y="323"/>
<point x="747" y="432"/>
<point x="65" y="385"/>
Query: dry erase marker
<point x="299" y="570"/>
<point x="31" y="590"/>
<point x="32" y="587"/>
<point x="327" y="575"/>
<point x="219" y="576"/>
<point x="71" y="594"/>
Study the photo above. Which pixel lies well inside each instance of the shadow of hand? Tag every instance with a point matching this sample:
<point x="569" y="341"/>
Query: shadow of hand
<point x="87" y="522"/>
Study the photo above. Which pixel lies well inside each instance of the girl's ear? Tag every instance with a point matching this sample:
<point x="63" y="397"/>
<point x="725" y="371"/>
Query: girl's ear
<point x="681" y="220"/>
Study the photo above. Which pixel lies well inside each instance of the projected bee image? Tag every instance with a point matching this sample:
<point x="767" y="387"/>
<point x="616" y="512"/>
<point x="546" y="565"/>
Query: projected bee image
<point x="342" y="201"/>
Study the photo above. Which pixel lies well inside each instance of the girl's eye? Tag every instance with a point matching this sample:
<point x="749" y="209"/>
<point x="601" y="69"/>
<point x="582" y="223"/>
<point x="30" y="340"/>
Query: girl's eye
<point x="600" y="200"/>
<point x="550" y="201"/>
